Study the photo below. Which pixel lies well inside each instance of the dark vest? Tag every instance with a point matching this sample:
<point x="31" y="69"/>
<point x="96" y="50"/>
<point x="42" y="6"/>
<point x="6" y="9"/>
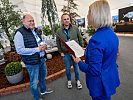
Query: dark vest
<point x="30" y="42"/>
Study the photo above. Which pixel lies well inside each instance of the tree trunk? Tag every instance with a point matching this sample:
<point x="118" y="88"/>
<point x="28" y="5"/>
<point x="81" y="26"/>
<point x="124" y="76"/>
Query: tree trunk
<point x="11" y="41"/>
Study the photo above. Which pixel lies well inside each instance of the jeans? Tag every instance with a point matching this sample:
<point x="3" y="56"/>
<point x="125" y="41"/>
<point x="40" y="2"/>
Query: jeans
<point x="101" y="98"/>
<point x="35" y="71"/>
<point x="67" y="59"/>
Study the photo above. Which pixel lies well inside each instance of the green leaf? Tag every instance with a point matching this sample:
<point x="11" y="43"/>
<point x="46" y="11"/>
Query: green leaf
<point x="90" y="30"/>
<point x="49" y="11"/>
<point x="13" y="68"/>
<point x="9" y="18"/>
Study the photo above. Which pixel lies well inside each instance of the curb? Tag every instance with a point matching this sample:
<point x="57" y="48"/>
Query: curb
<point x="124" y="35"/>
<point x="26" y="86"/>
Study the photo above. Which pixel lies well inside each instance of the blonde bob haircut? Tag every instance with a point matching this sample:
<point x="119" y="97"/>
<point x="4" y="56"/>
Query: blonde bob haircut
<point x="100" y="15"/>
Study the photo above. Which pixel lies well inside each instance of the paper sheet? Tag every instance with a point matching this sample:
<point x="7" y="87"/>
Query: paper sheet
<point x="78" y="50"/>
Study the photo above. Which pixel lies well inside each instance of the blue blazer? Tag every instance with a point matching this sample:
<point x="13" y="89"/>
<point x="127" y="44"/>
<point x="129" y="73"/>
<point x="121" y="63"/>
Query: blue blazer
<point x="100" y="66"/>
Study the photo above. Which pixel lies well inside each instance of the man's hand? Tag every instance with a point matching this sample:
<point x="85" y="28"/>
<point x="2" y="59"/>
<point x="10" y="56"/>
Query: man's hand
<point x="76" y="59"/>
<point x="45" y="46"/>
<point x="42" y="47"/>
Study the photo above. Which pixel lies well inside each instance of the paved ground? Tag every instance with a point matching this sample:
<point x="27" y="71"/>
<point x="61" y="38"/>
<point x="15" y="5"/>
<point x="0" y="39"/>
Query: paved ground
<point x="124" y="92"/>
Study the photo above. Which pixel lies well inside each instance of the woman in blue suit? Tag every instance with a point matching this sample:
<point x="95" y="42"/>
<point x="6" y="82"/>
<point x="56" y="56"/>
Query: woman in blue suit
<point x="100" y="66"/>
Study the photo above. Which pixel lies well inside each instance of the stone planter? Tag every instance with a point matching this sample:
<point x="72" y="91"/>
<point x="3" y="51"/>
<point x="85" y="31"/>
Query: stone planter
<point x="15" y="78"/>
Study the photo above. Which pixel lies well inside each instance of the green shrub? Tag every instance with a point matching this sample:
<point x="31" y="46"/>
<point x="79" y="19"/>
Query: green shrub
<point x="46" y="30"/>
<point x="56" y="27"/>
<point x="13" y="68"/>
<point x="90" y="30"/>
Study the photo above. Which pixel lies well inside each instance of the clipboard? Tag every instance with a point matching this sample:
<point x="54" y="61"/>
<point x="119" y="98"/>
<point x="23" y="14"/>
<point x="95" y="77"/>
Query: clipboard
<point x="68" y="48"/>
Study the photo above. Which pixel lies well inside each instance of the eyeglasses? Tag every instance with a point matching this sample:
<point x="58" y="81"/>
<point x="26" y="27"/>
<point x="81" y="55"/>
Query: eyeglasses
<point x="66" y="19"/>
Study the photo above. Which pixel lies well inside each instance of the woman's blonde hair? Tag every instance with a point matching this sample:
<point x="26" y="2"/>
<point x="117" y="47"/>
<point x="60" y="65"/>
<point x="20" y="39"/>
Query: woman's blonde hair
<point x="100" y="15"/>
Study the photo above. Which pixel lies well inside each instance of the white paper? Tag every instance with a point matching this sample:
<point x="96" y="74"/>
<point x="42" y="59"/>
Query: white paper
<point x="78" y="50"/>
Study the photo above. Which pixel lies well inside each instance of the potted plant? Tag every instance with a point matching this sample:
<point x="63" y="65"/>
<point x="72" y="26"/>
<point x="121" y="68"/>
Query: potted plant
<point x="10" y="20"/>
<point x="49" y="12"/>
<point x="46" y="30"/>
<point x="14" y="72"/>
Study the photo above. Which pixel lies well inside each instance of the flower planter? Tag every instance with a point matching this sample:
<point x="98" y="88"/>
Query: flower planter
<point x="15" y="78"/>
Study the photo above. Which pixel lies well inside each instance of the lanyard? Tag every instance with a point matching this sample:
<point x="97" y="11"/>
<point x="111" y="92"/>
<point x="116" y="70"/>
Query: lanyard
<point x="67" y="34"/>
<point x="37" y="38"/>
<point x="36" y="35"/>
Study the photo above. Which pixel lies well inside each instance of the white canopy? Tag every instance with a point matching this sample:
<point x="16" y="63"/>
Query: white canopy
<point x="33" y="7"/>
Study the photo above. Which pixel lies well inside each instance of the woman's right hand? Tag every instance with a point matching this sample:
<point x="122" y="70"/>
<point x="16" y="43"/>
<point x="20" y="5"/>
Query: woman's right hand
<point x="62" y="54"/>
